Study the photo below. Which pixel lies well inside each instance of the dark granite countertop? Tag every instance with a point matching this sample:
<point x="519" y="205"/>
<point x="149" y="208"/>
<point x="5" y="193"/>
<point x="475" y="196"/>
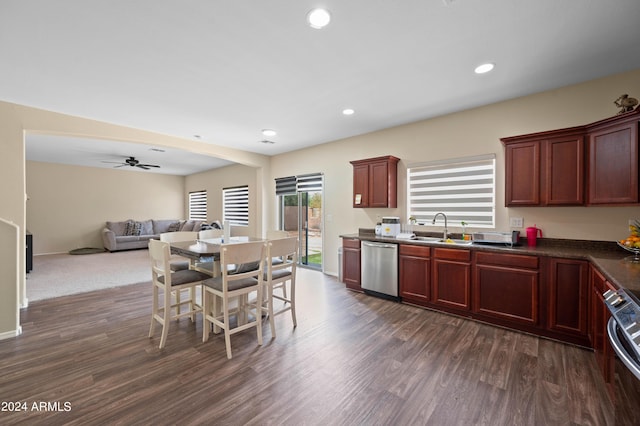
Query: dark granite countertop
<point x="605" y="255"/>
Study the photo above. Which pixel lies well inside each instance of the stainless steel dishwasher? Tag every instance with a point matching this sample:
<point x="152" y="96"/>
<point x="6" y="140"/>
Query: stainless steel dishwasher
<point x="379" y="269"/>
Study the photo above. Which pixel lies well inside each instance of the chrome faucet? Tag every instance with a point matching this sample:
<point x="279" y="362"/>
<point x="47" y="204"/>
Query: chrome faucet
<point x="446" y="232"/>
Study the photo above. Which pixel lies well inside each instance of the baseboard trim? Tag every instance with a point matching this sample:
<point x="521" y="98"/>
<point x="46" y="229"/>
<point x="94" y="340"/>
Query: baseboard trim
<point x="11" y="334"/>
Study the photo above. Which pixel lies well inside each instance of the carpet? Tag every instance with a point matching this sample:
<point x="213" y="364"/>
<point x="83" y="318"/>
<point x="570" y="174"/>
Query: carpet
<point x="56" y="275"/>
<point x="87" y="250"/>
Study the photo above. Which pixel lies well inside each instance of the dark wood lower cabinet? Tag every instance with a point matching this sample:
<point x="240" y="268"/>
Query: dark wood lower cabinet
<point x="452" y="278"/>
<point x="568" y="297"/>
<point x="507" y="287"/>
<point x="414" y="264"/>
<point x="600" y="315"/>
<point x="351" y="263"/>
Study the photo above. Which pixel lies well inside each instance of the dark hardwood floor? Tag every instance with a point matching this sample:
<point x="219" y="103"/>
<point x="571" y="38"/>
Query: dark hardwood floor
<point x="353" y="359"/>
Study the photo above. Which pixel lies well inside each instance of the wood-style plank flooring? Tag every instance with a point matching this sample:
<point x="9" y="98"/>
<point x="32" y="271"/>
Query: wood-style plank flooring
<point x="353" y="359"/>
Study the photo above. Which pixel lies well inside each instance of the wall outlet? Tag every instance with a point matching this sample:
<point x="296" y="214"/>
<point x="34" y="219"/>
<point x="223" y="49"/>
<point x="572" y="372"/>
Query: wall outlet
<point x="516" y="222"/>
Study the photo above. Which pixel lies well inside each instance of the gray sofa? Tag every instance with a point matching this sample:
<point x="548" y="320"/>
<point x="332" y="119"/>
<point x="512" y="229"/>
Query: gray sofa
<point x="130" y="234"/>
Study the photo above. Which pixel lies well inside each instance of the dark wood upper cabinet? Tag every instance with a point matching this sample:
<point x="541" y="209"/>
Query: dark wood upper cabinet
<point x="595" y="164"/>
<point x="613" y="162"/>
<point x="375" y="182"/>
<point x="545" y="169"/>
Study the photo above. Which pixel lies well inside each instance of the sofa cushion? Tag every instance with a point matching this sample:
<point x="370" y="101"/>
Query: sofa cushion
<point x="147" y="227"/>
<point x="187" y="226"/>
<point x="117" y="227"/>
<point x="165" y="225"/>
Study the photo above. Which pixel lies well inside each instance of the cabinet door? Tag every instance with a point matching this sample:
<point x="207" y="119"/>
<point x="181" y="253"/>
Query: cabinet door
<point x="613" y="164"/>
<point x="351" y="263"/>
<point x="451" y="284"/>
<point x="564" y="171"/>
<point x="415" y="273"/>
<point x="599" y="317"/>
<point x="507" y="293"/>
<point x="522" y="169"/>
<point x="361" y="185"/>
<point x="381" y="190"/>
<point x="568" y="293"/>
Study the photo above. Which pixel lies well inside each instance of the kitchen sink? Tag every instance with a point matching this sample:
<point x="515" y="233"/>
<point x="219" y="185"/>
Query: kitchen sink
<point x="447" y="241"/>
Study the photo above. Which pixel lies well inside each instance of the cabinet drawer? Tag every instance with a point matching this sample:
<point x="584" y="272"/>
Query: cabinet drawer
<point x="351" y="243"/>
<point x="452" y="254"/>
<point x="420" y="251"/>
<point x="514" y="260"/>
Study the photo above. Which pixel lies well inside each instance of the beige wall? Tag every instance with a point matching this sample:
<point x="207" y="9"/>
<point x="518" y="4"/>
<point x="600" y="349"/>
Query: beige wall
<point x="468" y="133"/>
<point x="69" y="205"/>
<point x="214" y="181"/>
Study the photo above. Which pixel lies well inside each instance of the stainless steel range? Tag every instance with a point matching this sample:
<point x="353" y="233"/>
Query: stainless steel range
<point x="623" y="330"/>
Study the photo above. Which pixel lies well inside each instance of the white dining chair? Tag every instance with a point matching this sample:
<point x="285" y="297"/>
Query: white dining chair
<point x="218" y="292"/>
<point x="276" y="277"/>
<point x="167" y="282"/>
<point x="171" y="237"/>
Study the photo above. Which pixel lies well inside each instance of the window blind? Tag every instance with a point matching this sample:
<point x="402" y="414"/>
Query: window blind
<point x="463" y="189"/>
<point x="198" y="205"/>
<point x="286" y="185"/>
<point x="310" y="182"/>
<point x="236" y="205"/>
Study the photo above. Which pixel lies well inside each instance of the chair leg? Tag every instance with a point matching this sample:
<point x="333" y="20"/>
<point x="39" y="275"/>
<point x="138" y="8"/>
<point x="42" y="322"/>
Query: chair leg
<point x="272" y="322"/>
<point x="206" y="324"/>
<point x="154" y="310"/>
<point x="166" y="320"/>
<point x="178" y="292"/>
<point x="292" y="302"/>
<point x="227" y="330"/>
<point x="259" y="314"/>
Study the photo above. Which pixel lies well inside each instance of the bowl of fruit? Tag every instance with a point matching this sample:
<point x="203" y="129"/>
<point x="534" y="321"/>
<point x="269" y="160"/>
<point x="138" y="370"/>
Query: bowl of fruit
<point x="632" y="243"/>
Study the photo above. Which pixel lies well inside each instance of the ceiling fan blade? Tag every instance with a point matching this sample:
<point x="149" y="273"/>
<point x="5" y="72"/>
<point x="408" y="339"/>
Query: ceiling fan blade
<point x="113" y="162"/>
<point x="142" y="166"/>
<point x="147" y="165"/>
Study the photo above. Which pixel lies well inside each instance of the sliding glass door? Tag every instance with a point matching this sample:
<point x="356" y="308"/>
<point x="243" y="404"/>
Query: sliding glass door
<point x="301" y="216"/>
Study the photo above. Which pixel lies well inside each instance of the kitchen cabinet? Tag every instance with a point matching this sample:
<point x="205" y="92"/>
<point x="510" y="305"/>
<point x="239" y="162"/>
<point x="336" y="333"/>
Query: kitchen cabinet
<point x="414" y="264"/>
<point x="375" y="182"/>
<point x="506" y="287"/>
<point x="568" y="288"/>
<point x="451" y="283"/>
<point x="351" y="263"/>
<point x="613" y="162"/>
<point x="593" y="164"/>
<point x="545" y="169"/>
<point x="600" y="315"/>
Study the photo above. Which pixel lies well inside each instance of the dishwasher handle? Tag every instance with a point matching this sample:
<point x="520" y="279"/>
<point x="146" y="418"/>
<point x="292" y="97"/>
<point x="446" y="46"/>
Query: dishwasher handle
<point x="379" y="245"/>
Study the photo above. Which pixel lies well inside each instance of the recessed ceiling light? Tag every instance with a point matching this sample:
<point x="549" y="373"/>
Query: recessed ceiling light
<point x="318" y="18"/>
<point x="197" y="136"/>
<point x="481" y="69"/>
<point x="268" y="132"/>
<point x="348" y="111"/>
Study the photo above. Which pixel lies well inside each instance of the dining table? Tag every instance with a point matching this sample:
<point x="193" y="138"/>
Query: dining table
<point x="206" y="252"/>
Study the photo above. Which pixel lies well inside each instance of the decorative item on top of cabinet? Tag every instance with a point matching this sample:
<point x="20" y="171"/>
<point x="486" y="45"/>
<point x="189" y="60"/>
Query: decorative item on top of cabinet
<point x="625" y="103"/>
<point x="375" y="182"/>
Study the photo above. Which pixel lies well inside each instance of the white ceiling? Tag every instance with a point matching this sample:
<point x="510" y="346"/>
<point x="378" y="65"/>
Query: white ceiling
<point x="225" y="70"/>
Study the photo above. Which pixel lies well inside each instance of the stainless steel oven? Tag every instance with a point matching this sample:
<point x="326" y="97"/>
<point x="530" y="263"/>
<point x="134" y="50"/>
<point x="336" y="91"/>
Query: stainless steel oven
<point x="623" y="331"/>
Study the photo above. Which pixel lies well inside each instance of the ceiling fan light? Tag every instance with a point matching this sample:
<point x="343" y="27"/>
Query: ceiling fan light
<point x="318" y="18"/>
<point x="269" y="132"/>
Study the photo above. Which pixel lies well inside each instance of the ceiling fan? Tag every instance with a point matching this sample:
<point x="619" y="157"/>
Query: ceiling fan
<point x="132" y="162"/>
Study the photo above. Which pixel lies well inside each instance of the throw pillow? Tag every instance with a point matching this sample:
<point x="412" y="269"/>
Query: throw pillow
<point x="174" y="227"/>
<point x="132" y="228"/>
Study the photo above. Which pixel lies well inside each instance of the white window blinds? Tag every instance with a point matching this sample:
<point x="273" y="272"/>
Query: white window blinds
<point x="236" y="205"/>
<point x="463" y="189"/>
<point x="198" y="205"/>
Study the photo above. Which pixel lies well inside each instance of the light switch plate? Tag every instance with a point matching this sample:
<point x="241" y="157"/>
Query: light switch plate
<point x="516" y="222"/>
